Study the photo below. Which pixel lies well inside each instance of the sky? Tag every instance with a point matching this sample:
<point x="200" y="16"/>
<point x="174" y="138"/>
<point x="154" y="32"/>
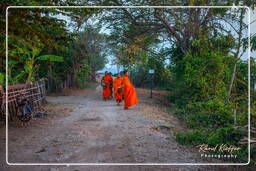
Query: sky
<point x="252" y="28"/>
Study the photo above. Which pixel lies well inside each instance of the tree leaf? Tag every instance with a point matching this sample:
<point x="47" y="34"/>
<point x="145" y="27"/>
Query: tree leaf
<point x="11" y="62"/>
<point x="51" y="58"/>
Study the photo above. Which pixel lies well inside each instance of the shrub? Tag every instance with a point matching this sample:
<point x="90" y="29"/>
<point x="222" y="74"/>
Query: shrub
<point x="228" y="135"/>
<point x="193" y="137"/>
<point x="211" y="114"/>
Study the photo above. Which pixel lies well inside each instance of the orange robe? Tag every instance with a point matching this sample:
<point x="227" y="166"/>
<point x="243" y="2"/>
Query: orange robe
<point x="117" y="94"/>
<point x="111" y="86"/>
<point x="106" y="89"/>
<point x="130" y="97"/>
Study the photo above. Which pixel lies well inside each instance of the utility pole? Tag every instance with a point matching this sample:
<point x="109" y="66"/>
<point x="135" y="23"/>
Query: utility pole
<point x="151" y="72"/>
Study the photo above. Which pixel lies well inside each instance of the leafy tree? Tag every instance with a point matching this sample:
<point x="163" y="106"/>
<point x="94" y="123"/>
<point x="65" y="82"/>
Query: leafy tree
<point x="28" y="55"/>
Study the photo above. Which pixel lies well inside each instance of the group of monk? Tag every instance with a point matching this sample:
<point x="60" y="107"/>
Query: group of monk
<point x="123" y="89"/>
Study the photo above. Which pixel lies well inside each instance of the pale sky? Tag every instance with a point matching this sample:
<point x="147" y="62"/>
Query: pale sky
<point x="253" y="29"/>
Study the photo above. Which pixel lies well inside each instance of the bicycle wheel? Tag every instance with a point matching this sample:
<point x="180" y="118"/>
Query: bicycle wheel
<point x="23" y="117"/>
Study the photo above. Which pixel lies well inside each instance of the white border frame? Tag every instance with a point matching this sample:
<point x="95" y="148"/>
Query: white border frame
<point x="120" y="164"/>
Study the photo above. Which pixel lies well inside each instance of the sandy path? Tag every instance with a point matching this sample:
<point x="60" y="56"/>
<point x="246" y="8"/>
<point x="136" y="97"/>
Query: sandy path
<point x="86" y="129"/>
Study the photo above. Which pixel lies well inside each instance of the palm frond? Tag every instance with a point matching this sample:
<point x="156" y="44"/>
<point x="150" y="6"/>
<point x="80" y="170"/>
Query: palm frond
<point x="51" y="58"/>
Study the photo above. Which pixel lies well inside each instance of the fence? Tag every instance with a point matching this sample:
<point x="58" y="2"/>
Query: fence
<point x="34" y="92"/>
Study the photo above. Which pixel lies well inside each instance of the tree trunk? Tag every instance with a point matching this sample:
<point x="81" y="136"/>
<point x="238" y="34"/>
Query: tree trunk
<point x="237" y="53"/>
<point x="50" y="77"/>
<point x="232" y="81"/>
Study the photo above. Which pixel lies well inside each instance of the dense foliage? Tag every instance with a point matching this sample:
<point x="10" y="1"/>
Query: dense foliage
<point x="47" y="42"/>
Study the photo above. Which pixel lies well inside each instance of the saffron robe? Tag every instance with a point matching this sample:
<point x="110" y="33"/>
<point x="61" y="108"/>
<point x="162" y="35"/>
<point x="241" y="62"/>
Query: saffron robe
<point x="111" y="86"/>
<point x="130" y="97"/>
<point x="106" y="89"/>
<point x="118" y="83"/>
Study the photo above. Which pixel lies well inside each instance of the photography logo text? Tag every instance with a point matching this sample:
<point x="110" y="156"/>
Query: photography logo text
<point x="218" y="151"/>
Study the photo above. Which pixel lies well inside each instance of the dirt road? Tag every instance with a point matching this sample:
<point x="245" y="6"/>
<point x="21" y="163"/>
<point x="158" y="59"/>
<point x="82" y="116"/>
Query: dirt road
<point x="82" y="128"/>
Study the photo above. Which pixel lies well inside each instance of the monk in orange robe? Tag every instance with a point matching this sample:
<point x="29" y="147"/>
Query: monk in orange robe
<point x="118" y="89"/>
<point x="105" y="82"/>
<point x="111" y="84"/>
<point x="130" y="97"/>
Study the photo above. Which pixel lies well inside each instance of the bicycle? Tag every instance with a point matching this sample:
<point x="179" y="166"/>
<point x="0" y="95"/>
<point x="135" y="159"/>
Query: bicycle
<point x="24" y="109"/>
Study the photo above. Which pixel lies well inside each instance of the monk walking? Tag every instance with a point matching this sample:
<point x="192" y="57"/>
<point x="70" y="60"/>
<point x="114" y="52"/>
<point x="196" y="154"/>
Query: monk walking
<point x="111" y="84"/>
<point x="130" y="97"/>
<point x="118" y="88"/>
<point x="105" y="82"/>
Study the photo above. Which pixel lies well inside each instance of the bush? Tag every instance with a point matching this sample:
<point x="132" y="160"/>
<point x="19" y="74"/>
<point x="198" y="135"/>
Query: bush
<point x="193" y="137"/>
<point x="211" y="114"/>
<point x="228" y="135"/>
